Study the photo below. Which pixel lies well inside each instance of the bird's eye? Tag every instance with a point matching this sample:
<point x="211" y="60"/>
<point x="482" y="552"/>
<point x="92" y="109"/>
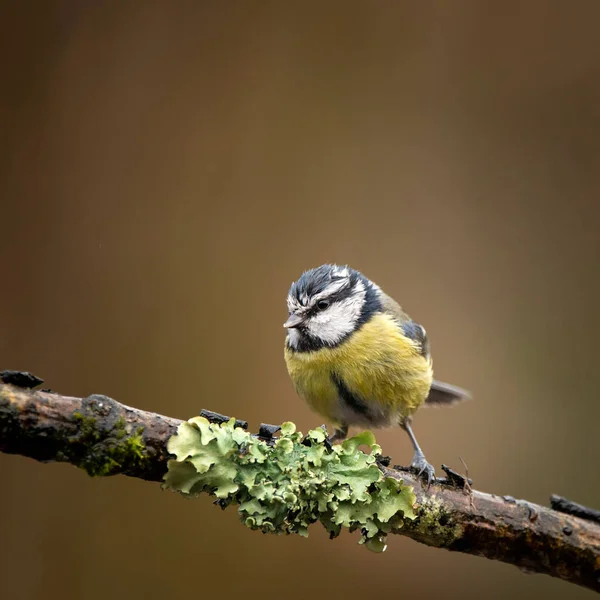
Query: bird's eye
<point x="323" y="304"/>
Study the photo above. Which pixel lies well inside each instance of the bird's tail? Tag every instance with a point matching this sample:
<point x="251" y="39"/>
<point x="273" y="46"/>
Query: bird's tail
<point x="445" y="394"/>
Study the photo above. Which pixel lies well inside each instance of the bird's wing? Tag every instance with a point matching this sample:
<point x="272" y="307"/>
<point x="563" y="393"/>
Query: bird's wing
<point x="410" y="328"/>
<point x="440" y="392"/>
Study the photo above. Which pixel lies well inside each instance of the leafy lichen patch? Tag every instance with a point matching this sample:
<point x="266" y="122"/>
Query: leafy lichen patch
<point x="286" y="486"/>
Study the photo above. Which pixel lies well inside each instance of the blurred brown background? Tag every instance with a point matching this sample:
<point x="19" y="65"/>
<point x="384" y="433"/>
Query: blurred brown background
<point x="168" y="168"/>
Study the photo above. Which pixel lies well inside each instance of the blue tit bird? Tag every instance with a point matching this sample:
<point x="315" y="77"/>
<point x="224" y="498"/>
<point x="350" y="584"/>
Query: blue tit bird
<point x="357" y="358"/>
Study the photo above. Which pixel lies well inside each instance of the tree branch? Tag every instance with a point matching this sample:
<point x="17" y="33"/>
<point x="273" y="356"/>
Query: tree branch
<point x="105" y="437"/>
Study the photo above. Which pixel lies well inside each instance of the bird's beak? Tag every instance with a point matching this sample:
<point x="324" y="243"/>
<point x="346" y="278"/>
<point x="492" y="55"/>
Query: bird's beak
<point x="293" y="321"/>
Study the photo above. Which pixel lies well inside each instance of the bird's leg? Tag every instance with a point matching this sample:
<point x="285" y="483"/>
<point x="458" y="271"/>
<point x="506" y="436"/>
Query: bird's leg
<point x="339" y="434"/>
<point x="419" y="463"/>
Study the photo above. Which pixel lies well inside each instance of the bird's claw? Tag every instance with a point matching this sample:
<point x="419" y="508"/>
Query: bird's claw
<point x="423" y="469"/>
<point x="338" y="436"/>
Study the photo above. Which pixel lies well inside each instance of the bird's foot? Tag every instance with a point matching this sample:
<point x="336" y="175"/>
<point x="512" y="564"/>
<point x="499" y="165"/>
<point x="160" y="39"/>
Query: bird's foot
<point x="339" y="435"/>
<point x="422" y="468"/>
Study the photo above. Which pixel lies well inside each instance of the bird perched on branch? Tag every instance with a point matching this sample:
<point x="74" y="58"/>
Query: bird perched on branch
<point x="357" y="358"/>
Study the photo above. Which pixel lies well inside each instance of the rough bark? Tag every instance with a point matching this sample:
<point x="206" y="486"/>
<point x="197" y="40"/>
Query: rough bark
<point x="105" y="437"/>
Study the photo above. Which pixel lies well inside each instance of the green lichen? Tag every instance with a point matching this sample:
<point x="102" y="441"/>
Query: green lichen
<point x="286" y="486"/>
<point x="108" y="452"/>
<point x="433" y="521"/>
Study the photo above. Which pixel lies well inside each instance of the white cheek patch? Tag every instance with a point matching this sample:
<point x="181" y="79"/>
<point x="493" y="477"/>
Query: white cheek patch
<point x="340" y="319"/>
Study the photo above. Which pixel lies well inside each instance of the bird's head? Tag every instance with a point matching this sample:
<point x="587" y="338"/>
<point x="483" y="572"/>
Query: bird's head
<point x="326" y="305"/>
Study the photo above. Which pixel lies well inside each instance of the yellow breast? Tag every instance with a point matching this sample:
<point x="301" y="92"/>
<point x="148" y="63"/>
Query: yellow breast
<point x="377" y="364"/>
